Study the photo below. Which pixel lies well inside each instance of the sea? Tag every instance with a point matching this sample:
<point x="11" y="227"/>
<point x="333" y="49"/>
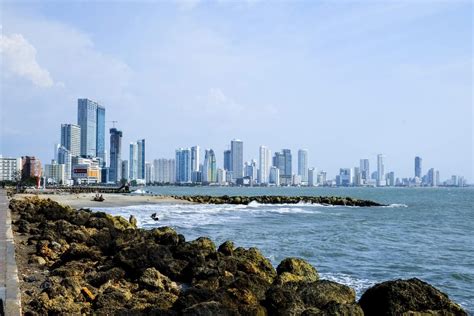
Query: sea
<point x="427" y="233"/>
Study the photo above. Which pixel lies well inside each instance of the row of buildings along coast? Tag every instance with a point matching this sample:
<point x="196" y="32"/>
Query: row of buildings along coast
<point x="81" y="158"/>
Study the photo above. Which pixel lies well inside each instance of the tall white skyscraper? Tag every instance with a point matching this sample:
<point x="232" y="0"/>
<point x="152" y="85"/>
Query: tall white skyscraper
<point x="237" y="159"/>
<point x="133" y="161"/>
<point x="195" y="158"/>
<point x="312" y="177"/>
<point x="380" y="170"/>
<point x="303" y="165"/>
<point x="264" y="164"/>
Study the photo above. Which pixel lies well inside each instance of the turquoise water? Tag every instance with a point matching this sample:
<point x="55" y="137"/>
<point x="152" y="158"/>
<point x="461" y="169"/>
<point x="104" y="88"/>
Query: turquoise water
<point x="425" y="232"/>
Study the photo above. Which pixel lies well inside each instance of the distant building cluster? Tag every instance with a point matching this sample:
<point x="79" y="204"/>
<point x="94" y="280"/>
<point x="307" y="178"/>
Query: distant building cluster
<point x="81" y="158"/>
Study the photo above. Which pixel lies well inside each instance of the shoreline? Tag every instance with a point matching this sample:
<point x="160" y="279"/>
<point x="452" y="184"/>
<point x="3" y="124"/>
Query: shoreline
<point x="78" y="261"/>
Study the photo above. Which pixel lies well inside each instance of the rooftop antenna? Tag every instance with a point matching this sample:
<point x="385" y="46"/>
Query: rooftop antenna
<point x="113" y="123"/>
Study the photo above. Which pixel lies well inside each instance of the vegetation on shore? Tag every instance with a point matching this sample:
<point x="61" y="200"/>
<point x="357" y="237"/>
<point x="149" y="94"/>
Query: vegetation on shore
<point x="84" y="262"/>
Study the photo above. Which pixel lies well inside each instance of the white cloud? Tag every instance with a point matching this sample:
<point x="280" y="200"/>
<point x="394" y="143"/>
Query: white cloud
<point x="19" y="57"/>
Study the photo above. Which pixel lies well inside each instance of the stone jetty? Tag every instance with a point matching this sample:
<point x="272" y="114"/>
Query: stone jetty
<point x="275" y="199"/>
<point x="82" y="262"/>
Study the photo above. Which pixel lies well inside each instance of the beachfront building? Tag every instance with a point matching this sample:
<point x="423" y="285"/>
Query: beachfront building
<point x="149" y="172"/>
<point x="380" y="170"/>
<point x="141" y="159"/>
<point x="183" y="165"/>
<point x="418" y="166"/>
<point x="345" y="177"/>
<point x="86" y="170"/>
<point x="65" y="158"/>
<point x="71" y="138"/>
<point x="237" y="159"/>
<point x="221" y="176"/>
<point x="390" y="179"/>
<point x="251" y="171"/>
<point x="55" y="173"/>
<point x="274" y="176"/>
<point x="312" y="177"/>
<point x="303" y="165"/>
<point x="195" y="153"/>
<point x="357" y="179"/>
<point x="227" y="160"/>
<point x="209" y="168"/>
<point x="115" y="169"/>
<point x="125" y="170"/>
<point x="91" y="120"/>
<point x="133" y="161"/>
<point x="364" y="170"/>
<point x="282" y="160"/>
<point x="322" y="178"/>
<point x="264" y="163"/>
<point x="10" y="169"/>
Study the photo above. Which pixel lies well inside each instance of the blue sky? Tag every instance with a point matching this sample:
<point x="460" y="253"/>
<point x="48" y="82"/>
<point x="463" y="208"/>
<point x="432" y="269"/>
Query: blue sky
<point x="344" y="79"/>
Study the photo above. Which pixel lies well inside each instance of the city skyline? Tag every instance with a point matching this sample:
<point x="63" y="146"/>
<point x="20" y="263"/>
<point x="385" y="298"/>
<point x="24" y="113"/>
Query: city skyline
<point x="315" y="91"/>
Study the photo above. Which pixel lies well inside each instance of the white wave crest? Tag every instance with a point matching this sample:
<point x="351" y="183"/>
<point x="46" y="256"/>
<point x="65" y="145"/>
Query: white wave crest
<point x="395" y="205"/>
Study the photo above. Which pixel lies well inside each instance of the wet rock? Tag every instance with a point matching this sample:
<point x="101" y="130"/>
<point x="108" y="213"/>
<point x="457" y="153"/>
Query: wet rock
<point x="411" y="296"/>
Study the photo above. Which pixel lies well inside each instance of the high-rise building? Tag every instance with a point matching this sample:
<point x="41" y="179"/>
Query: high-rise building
<point x="346" y="177"/>
<point x="364" y="170"/>
<point x="65" y="157"/>
<point x="357" y="179"/>
<point x="312" y="177"/>
<point x="10" y="169"/>
<point x="303" y="165"/>
<point x="125" y="170"/>
<point x="432" y="177"/>
<point x="100" y="138"/>
<point x="274" y="176"/>
<point x="149" y="173"/>
<point x="283" y="162"/>
<point x="91" y="119"/>
<point x="115" y="170"/>
<point x="227" y="160"/>
<point x="164" y="170"/>
<point x="380" y="170"/>
<point x="141" y="159"/>
<point x="133" y="161"/>
<point x="221" y="176"/>
<point x="183" y="165"/>
<point x="209" y="170"/>
<point x="418" y="166"/>
<point x="71" y="138"/>
<point x="251" y="171"/>
<point x="195" y="150"/>
<point x="264" y="163"/>
<point x="237" y="159"/>
<point x="391" y="179"/>
<point x="55" y="173"/>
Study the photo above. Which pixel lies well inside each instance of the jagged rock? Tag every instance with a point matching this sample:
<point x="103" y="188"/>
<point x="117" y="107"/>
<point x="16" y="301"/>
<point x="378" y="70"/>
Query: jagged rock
<point x="295" y="269"/>
<point x="207" y="309"/>
<point x="227" y="248"/>
<point x="154" y="280"/>
<point x="408" y="297"/>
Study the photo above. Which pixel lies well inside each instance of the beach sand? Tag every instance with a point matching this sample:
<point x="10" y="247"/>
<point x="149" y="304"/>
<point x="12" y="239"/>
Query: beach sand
<point x="84" y="200"/>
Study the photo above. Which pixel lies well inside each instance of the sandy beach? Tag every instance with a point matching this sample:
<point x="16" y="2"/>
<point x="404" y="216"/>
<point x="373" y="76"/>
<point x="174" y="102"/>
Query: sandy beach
<point x="85" y="200"/>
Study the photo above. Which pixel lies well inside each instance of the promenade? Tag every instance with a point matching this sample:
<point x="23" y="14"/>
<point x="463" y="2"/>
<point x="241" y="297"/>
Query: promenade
<point x="9" y="285"/>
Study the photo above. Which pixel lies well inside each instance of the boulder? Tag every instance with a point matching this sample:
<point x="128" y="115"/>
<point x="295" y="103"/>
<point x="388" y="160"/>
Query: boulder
<point x="295" y="269"/>
<point x="407" y="297"/>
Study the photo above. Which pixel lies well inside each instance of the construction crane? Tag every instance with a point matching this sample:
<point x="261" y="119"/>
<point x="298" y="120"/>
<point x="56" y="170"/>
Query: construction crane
<point x="113" y="123"/>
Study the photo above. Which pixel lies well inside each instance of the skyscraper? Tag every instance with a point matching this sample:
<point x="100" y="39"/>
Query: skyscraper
<point x="364" y="170"/>
<point x="141" y="159"/>
<point x="237" y="159"/>
<point x="125" y="170"/>
<point x="115" y="170"/>
<point x="227" y="160"/>
<point x="183" y="165"/>
<point x="65" y="157"/>
<point x="100" y="137"/>
<point x="71" y="138"/>
<point x="303" y="165"/>
<point x="283" y="162"/>
<point x="195" y="158"/>
<point x="209" y="170"/>
<point x="418" y="167"/>
<point x="91" y="119"/>
<point x="312" y="177"/>
<point x="133" y="161"/>
<point x="264" y="163"/>
<point x="380" y="170"/>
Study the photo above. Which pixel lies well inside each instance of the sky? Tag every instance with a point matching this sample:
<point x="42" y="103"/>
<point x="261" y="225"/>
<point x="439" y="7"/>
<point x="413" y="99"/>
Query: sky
<point x="344" y="79"/>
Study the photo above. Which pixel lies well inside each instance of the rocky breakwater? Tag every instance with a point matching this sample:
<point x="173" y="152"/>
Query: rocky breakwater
<point x="275" y="199"/>
<point x="81" y="262"/>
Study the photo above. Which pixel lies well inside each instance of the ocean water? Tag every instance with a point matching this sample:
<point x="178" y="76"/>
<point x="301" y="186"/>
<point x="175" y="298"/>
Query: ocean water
<point x="426" y="233"/>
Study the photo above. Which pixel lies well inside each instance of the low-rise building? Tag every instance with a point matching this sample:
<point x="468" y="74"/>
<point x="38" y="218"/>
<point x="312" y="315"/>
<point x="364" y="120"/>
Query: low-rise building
<point x="10" y="169"/>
